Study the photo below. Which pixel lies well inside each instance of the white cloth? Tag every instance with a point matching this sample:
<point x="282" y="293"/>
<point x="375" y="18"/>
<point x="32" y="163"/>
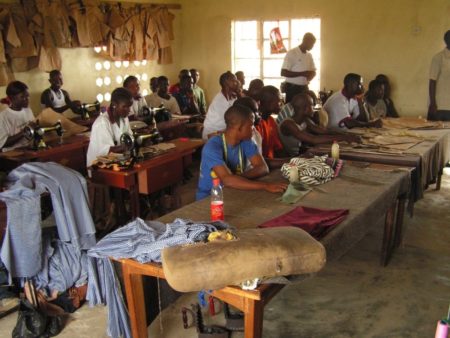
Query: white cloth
<point x="136" y="107"/>
<point x="257" y="139"/>
<point x="440" y="72"/>
<point x="105" y="135"/>
<point x="12" y="122"/>
<point x="154" y="100"/>
<point x="297" y="61"/>
<point x="338" y="108"/>
<point x="290" y="143"/>
<point x="215" y="120"/>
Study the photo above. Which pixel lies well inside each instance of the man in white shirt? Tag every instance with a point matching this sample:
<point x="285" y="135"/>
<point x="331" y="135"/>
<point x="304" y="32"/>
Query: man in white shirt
<point x="57" y="98"/>
<point x="298" y="67"/>
<point x="439" y="85"/>
<point x="343" y="108"/>
<point x="215" y="120"/>
<point x="109" y="126"/>
<point x="14" y="118"/>
<point x="132" y="84"/>
<point x="162" y="97"/>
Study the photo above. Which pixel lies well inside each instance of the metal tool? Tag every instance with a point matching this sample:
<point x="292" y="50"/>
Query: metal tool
<point x="37" y="133"/>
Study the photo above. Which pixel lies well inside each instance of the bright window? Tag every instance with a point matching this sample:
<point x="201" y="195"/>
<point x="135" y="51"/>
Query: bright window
<point x="250" y="48"/>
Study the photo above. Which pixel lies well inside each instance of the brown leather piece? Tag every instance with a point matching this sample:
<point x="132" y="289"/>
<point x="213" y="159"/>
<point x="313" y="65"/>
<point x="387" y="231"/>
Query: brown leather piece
<point x="256" y="253"/>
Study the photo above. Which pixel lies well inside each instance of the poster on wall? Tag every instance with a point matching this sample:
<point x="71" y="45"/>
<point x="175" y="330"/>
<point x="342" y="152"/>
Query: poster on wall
<point x="276" y="42"/>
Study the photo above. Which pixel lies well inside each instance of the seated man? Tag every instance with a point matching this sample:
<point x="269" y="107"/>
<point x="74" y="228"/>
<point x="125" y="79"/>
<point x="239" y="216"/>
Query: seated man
<point x="162" y="97"/>
<point x="110" y="125"/>
<point x="14" y="118"/>
<point x="226" y="155"/>
<point x="343" y="108"/>
<point x="272" y="148"/>
<point x="198" y="92"/>
<point x="254" y="88"/>
<point x="56" y="98"/>
<point x="176" y="87"/>
<point x="391" y="111"/>
<point x="132" y="84"/>
<point x="298" y="128"/>
<point x="154" y="84"/>
<point x="214" y="120"/>
<point x="374" y="104"/>
<point x="185" y="97"/>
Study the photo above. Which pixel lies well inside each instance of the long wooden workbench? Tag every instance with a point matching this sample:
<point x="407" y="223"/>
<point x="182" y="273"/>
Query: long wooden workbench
<point x="371" y="194"/>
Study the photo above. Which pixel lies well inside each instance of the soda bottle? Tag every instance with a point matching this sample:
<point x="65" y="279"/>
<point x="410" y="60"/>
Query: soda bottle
<point x="216" y="200"/>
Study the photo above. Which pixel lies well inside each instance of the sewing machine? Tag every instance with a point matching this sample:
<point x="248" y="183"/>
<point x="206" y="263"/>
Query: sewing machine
<point x="155" y="115"/>
<point x="136" y="141"/>
<point x="89" y="108"/>
<point x="36" y="133"/>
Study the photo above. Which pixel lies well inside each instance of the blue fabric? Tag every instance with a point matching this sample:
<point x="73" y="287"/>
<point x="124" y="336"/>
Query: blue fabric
<point x="21" y="248"/>
<point x="64" y="266"/>
<point x="213" y="155"/>
<point x="70" y="202"/>
<point x="142" y="241"/>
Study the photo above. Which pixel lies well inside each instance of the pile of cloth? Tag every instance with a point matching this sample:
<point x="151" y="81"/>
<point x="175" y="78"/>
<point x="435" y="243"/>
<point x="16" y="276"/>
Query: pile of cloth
<point x="142" y="241"/>
<point x="55" y="265"/>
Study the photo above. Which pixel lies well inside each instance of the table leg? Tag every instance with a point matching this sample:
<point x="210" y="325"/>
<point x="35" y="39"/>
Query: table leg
<point x="253" y="320"/>
<point x="387" y="236"/>
<point x="439" y="179"/>
<point x="134" y="201"/>
<point x="399" y="221"/>
<point x="136" y="302"/>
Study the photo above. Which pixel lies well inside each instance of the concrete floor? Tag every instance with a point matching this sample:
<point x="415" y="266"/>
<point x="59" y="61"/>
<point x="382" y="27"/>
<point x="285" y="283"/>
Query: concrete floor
<point x="351" y="297"/>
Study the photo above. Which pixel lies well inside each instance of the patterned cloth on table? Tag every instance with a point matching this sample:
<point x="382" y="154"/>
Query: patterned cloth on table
<point x="312" y="171"/>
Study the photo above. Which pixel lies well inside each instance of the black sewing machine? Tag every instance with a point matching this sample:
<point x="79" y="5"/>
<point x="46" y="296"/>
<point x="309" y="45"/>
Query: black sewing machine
<point x="136" y="141"/>
<point x="155" y="115"/>
<point x="36" y="133"/>
<point x="87" y="109"/>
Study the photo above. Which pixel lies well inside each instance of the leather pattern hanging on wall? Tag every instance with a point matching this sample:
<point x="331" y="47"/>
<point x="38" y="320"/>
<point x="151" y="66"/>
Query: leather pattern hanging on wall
<point x="33" y="30"/>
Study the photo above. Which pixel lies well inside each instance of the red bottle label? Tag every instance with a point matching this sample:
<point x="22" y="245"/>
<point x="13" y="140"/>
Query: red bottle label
<point x="217" y="211"/>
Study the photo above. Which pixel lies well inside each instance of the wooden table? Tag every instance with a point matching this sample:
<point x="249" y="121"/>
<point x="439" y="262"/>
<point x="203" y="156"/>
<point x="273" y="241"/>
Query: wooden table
<point x="375" y="198"/>
<point x="150" y="175"/>
<point x="428" y="158"/>
<point x="71" y="153"/>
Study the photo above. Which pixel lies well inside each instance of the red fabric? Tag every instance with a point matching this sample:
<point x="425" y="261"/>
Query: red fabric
<point x="173" y="89"/>
<point x="314" y="221"/>
<point x="271" y="142"/>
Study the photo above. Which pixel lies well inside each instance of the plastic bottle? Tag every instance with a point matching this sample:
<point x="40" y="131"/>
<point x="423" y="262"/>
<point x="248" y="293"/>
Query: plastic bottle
<point x="216" y="201"/>
<point x="335" y="150"/>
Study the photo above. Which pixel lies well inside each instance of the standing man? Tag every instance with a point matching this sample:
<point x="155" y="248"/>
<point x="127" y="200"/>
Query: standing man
<point x="198" y="92"/>
<point x="299" y="68"/>
<point x="439" y="85"/>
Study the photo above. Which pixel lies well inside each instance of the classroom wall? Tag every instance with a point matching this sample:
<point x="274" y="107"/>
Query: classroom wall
<point x="395" y="37"/>
<point x="79" y="74"/>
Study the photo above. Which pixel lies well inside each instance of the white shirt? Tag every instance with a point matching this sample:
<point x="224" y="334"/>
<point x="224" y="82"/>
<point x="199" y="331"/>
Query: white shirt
<point x="58" y="98"/>
<point x="136" y="108"/>
<point x="297" y="61"/>
<point x="105" y="135"/>
<point x="440" y="72"/>
<point x="214" y="120"/>
<point x="338" y="108"/>
<point x="11" y="123"/>
<point x="154" y="100"/>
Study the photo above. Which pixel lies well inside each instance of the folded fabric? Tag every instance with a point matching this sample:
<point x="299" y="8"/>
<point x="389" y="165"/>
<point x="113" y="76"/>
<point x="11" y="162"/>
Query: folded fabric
<point x="314" y="221"/>
<point x="294" y="193"/>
